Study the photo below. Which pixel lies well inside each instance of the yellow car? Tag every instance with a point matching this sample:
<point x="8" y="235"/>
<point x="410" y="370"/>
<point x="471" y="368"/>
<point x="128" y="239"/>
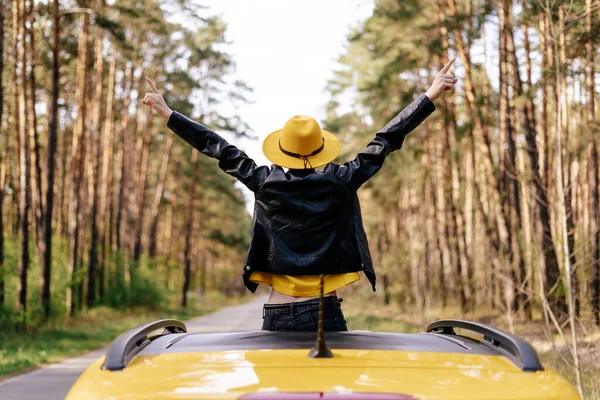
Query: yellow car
<point x="160" y="360"/>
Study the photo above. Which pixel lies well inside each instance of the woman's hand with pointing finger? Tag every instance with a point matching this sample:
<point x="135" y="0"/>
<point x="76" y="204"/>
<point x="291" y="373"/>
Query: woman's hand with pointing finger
<point x="156" y="101"/>
<point x="443" y="82"/>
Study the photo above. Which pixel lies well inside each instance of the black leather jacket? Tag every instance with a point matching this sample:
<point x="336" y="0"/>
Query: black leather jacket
<point x="306" y="222"/>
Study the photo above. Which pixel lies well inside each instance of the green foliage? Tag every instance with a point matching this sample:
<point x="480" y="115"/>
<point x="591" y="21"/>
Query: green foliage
<point x="153" y="284"/>
<point x="33" y="314"/>
<point x="144" y="290"/>
<point x="27" y="340"/>
<point x="61" y="338"/>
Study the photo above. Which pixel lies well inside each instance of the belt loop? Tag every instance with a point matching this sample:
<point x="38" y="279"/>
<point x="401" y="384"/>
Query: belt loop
<point x="292" y="307"/>
<point x="264" y="311"/>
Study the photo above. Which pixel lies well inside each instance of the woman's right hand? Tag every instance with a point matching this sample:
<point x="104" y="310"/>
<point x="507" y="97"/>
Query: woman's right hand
<point x="156" y="101"/>
<point x="443" y="82"/>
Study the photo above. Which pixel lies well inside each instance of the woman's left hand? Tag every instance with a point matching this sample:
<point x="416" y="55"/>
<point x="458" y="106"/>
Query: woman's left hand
<point x="443" y="82"/>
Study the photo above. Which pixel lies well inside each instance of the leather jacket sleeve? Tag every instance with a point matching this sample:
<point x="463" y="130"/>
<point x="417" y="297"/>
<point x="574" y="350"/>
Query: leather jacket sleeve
<point x="356" y="172"/>
<point x="231" y="159"/>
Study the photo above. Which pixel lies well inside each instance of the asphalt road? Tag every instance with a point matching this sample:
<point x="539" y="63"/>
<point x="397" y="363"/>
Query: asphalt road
<point x="52" y="382"/>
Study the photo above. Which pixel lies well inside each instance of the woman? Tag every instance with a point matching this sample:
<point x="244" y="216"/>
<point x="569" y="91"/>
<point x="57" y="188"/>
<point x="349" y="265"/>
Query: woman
<point x="306" y="222"/>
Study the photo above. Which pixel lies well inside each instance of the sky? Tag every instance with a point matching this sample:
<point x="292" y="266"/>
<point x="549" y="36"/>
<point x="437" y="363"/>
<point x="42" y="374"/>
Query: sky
<point x="285" y="50"/>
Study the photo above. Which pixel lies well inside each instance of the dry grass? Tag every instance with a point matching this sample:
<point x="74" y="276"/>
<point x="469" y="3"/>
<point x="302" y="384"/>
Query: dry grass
<point x="365" y="310"/>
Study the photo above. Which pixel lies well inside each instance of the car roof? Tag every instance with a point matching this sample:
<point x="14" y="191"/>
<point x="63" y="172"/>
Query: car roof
<point x="440" y="337"/>
<point x="353" y="340"/>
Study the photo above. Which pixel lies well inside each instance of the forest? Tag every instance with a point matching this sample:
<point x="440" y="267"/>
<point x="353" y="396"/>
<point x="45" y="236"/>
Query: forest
<point x="491" y="206"/>
<point x="492" y="203"/>
<point x="101" y="205"/>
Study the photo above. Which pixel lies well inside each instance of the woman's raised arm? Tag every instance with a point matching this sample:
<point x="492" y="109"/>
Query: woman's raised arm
<point x="366" y="164"/>
<point x="231" y="159"/>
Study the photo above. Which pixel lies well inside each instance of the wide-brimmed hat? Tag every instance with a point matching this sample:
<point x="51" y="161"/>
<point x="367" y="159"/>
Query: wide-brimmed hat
<point x="301" y="144"/>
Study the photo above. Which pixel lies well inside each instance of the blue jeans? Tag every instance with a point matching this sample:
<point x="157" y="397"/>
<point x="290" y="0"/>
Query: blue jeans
<point x="303" y="316"/>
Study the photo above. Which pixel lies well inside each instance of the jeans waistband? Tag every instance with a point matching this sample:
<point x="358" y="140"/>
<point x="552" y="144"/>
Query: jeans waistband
<point x="290" y="308"/>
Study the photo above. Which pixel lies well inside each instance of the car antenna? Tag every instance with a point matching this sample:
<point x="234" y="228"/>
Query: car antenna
<point x="320" y="349"/>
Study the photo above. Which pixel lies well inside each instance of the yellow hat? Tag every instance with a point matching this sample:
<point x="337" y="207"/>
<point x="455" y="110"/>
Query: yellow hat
<point x="301" y="144"/>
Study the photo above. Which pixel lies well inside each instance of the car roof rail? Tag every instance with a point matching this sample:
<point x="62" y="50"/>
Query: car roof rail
<point x="130" y="343"/>
<point x="516" y="349"/>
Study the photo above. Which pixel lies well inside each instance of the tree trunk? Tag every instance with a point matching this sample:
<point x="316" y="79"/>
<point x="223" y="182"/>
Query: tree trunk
<point x="527" y="47"/>
<point x="508" y="183"/>
<point x="595" y="231"/>
<point x="441" y="239"/>
<point x="541" y="179"/>
<point x="187" y="267"/>
<point x="441" y="214"/>
<point x="469" y="275"/>
<point x="465" y="225"/>
<point x="123" y="178"/>
<point x="107" y="175"/>
<point x="203" y="260"/>
<point x="167" y="243"/>
<point x="593" y="165"/>
<point x="77" y="149"/>
<point x="94" y="164"/>
<point x="527" y="235"/>
<point x="462" y="263"/>
<point x="511" y="73"/>
<point x="36" y="182"/>
<point x="3" y="154"/>
<point x="136" y="144"/>
<point x="127" y="85"/>
<point x="16" y="113"/>
<point x="431" y="257"/>
<point x="158" y="193"/>
<point x="25" y="170"/>
<point x="543" y="157"/>
<point x="63" y="225"/>
<point x="568" y="183"/>
<point x="51" y="153"/>
<point x="527" y="251"/>
<point x="446" y="217"/>
<point x="562" y="203"/>
<point x="141" y="189"/>
<point x="410" y="193"/>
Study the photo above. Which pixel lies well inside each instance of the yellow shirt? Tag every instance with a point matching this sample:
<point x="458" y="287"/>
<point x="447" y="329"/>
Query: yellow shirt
<point x="304" y="285"/>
